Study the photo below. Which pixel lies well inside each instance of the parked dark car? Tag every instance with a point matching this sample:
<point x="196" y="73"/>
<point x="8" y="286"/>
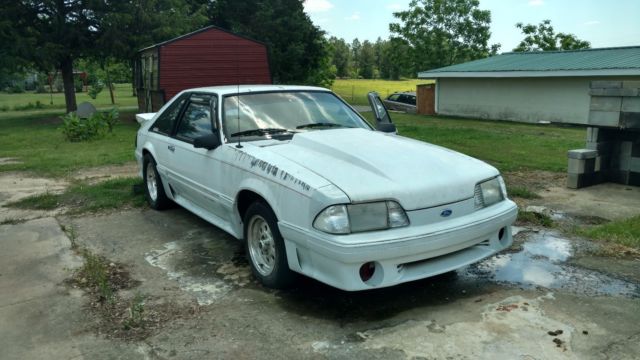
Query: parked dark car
<point x="401" y="101"/>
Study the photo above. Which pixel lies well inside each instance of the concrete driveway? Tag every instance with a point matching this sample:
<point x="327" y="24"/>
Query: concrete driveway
<point x="547" y="298"/>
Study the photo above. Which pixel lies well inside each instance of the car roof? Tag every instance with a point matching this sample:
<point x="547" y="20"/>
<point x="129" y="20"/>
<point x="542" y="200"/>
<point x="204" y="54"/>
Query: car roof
<point x="232" y="89"/>
<point x="405" y="93"/>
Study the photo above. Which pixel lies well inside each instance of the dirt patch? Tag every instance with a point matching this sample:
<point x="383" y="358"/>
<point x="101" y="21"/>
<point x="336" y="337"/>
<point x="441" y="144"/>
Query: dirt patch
<point x="592" y="205"/>
<point x="15" y="186"/>
<point x="536" y="181"/>
<point x="9" y="161"/>
<point x="119" y="310"/>
<point x="98" y="174"/>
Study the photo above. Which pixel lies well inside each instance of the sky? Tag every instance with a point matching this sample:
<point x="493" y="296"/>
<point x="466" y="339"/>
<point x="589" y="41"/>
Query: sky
<point x="604" y="23"/>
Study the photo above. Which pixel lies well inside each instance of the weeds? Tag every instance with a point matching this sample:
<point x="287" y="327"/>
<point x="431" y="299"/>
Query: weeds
<point x="71" y="234"/>
<point x="534" y="218"/>
<point x="624" y="232"/>
<point x="136" y="313"/>
<point x="522" y="192"/>
<point x="94" y="272"/>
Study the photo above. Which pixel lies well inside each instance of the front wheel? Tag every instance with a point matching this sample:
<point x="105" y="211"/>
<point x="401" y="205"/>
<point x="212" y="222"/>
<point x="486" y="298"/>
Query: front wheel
<point x="265" y="247"/>
<point x="154" y="191"/>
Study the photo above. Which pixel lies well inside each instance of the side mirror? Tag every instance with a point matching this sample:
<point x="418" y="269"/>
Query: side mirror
<point x="387" y="128"/>
<point x="209" y="142"/>
<point x="379" y="110"/>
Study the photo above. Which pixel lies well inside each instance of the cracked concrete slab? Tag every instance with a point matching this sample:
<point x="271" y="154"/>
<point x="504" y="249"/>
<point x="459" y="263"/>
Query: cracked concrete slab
<point x="41" y="317"/>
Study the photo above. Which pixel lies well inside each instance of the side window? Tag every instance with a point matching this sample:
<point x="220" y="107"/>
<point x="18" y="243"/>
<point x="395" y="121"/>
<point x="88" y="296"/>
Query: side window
<point x="195" y="122"/>
<point x="412" y="100"/>
<point x="394" y="97"/>
<point x="404" y="99"/>
<point x="164" y="124"/>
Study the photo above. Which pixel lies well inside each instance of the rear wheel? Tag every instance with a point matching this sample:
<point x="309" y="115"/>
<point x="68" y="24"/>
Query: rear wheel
<point x="154" y="191"/>
<point x="265" y="247"/>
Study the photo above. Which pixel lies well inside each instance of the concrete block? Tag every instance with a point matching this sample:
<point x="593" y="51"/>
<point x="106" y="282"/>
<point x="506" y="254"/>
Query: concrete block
<point x="577" y="181"/>
<point x="601" y="164"/>
<point x="582" y="154"/>
<point x="581" y="166"/>
<point x="635" y="149"/>
<point x="603" y="147"/>
<point x="631" y="104"/>
<point x="630" y="120"/>
<point x="631" y="84"/>
<point x="604" y="118"/>
<point x="605" y="103"/>
<point x="625" y="148"/>
<point x="634" y="164"/>
<point x="620" y="177"/>
<point x="620" y="92"/>
<point x="634" y="178"/>
<point x="604" y="84"/>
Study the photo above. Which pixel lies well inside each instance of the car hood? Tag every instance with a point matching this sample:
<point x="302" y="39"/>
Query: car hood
<point x="369" y="165"/>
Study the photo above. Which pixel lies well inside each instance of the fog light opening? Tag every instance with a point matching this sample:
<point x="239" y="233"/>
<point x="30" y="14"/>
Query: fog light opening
<point x="501" y="233"/>
<point x="367" y="270"/>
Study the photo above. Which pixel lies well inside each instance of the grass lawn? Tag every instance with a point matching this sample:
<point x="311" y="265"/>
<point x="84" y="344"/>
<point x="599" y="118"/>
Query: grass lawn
<point x="625" y="232"/>
<point x="8" y="102"/>
<point x="506" y="145"/>
<point x="81" y="198"/>
<point x="39" y="144"/>
<point x="355" y="91"/>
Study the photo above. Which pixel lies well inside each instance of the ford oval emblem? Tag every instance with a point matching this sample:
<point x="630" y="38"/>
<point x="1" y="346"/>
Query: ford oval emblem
<point x="446" y="213"/>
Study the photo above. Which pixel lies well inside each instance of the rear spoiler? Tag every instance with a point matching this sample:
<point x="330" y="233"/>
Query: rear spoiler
<point x="142" y="118"/>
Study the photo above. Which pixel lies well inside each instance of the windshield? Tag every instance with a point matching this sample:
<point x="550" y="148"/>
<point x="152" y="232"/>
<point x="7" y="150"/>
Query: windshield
<point x="278" y="114"/>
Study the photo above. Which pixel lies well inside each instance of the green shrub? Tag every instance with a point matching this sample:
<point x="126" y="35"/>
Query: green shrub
<point x="111" y="118"/>
<point x="76" y="129"/>
<point x="95" y="89"/>
<point x="15" y="89"/>
<point x="78" y="84"/>
<point x="4" y="108"/>
<point x="40" y="89"/>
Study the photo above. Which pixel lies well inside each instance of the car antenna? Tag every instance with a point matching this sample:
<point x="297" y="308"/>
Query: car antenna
<point x="238" y="145"/>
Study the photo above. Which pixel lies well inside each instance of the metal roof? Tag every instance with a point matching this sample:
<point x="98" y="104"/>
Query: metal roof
<point x="615" y="61"/>
<point x="206" y="28"/>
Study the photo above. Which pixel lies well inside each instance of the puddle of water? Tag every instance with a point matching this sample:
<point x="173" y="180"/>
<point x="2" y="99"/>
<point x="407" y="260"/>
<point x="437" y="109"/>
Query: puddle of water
<point x="541" y="262"/>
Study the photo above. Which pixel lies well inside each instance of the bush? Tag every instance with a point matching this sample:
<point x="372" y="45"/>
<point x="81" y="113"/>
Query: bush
<point x="95" y="89"/>
<point x="15" y="89"/>
<point x="110" y="118"/>
<point x="40" y="89"/>
<point x="79" y="85"/>
<point x="58" y="85"/>
<point x="76" y="129"/>
<point x="4" y="108"/>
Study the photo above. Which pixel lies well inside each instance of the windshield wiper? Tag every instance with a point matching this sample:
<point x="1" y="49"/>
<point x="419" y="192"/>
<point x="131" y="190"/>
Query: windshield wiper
<point x="260" y="131"/>
<point x="320" y="124"/>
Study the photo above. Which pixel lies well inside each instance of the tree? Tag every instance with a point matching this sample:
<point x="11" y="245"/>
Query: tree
<point x="542" y="37"/>
<point x="340" y="56"/>
<point x="367" y="60"/>
<point x="298" y="50"/>
<point x="51" y="34"/>
<point x="397" y="59"/>
<point x="445" y="32"/>
<point x="356" y="46"/>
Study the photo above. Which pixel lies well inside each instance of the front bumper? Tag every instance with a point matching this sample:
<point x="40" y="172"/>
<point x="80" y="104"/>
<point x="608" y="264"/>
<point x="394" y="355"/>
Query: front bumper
<point x="400" y="255"/>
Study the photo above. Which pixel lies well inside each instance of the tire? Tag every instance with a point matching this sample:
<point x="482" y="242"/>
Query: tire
<point x="265" y="249"/>
<point x="153" y="189"/>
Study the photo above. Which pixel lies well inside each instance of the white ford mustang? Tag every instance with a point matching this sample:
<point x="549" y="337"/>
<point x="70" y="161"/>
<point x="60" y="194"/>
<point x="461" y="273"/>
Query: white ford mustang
<point x="312" y="188"/>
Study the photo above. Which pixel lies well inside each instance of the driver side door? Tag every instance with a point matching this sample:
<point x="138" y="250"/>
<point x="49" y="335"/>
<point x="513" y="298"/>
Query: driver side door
<point x="194" y="170"/>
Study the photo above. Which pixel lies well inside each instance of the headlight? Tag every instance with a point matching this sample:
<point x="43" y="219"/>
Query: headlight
<point x="345" y="219"/>
<point x="490" y="192"/>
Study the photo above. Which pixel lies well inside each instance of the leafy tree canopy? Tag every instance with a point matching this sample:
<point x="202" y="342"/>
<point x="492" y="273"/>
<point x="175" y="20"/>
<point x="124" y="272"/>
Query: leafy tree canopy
<point x="542" y="37"/>
<point x="445" y="32"/>
<point x="298" y="49"/>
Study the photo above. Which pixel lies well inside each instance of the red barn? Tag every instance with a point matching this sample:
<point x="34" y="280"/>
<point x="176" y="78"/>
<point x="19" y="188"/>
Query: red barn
<point x="207" y="57"/>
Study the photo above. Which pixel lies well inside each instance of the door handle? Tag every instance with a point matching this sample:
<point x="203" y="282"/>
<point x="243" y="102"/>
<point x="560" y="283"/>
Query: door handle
<point x="171" y="148"/>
